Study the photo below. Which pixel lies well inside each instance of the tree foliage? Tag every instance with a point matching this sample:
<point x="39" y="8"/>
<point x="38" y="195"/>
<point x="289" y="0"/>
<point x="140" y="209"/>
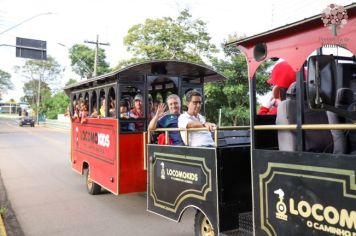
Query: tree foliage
<point x="232" y="95"/>
<point x="47" y="72"/>
<point x="182" y="38"/>
<point x="5" y="82"/>
<point x="55" y="105"/>
<point x="70" y="82"/>
<point x="82" y="61"/>
<point x="30" y="89"/>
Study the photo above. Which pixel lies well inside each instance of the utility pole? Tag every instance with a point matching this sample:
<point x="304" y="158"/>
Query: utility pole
<point x="96" y="51"/>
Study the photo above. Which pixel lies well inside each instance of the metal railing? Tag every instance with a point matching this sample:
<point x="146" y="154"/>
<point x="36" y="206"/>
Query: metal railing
<point x="167" y="130"/>
<point x="66" y="126"/>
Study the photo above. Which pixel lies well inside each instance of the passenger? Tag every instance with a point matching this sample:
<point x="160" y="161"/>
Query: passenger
<point x="155" y="106"/>
<point x="125" y="114"/>
<point x="137" y="111"/>
<point x="76" y="116"/>
<point x="102" y="110"/>
<point x="151" y="111"/>
<point x="124" y="110"/>
<point x="112" y="110"/>
<point x="84" y="114"/>
<point x="94" y="114"/>
<point x="281" y="77"/>
<point x="192" y="119"/>
<point x="163" y="119"/>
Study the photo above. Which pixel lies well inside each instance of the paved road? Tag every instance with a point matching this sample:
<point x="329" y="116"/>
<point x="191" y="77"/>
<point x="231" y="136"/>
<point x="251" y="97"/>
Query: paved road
<point x="48" y="198"/>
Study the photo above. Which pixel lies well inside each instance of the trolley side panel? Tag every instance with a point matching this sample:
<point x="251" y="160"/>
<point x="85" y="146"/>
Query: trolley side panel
<point x="181" y="177"/>
<point x="304" y="193"/>
<point x="95" y="142"/>
<point x="132" y="173"/>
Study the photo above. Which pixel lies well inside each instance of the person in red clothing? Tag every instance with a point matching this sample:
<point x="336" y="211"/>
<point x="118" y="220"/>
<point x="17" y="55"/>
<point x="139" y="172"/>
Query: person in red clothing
<point x="138" y="112"/>
<point x="281" y="77"/>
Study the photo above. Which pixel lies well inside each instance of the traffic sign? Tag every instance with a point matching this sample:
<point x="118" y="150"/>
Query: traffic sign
<point x="31" y="48"/>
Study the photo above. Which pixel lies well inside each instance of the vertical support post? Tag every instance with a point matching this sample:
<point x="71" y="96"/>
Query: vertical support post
<point x="96" y="55"/>
<point x="166" y="137"/>
<point x="38" y="100"/>
<point x="219" y="117"/>
<point x="96" y="59"/>
<point x="300" y="109"/>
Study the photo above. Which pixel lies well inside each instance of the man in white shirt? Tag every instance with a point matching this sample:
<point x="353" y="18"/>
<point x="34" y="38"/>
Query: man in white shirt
<point x="192" y="119"/>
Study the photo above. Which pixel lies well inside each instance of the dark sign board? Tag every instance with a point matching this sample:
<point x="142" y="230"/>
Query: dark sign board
<point x="31" y="48"/>
<point x="309" y="194"/>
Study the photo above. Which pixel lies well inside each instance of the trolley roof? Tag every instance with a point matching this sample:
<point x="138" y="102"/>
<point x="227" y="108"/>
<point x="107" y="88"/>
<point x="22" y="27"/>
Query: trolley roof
<point x="296" y="41"/>
<point x="156" y="67"/>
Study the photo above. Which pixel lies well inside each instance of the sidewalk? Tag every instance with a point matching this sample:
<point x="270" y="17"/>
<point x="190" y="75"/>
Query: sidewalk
<point x="10" y="226"/>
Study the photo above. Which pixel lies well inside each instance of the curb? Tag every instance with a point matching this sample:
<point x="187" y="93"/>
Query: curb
<point x="2" y="227"/>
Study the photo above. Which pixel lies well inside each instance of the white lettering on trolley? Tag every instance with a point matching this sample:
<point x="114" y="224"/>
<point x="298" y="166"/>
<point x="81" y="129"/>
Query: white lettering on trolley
<point x="97" y="138"/>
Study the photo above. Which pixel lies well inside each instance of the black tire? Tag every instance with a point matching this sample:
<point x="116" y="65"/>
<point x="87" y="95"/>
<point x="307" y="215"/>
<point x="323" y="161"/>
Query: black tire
<point x="202" y="225"/>
<point x="92" y="187"/>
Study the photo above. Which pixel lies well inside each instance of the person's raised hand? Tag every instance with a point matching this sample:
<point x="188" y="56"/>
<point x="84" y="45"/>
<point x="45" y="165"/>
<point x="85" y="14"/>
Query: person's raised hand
<point x="161" y="110"/>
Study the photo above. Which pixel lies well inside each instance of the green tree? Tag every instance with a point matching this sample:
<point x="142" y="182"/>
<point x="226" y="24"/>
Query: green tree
<point x="82" y="61"/>
<point x="70" y="82"/>
<point x="46" y="72"/>
<point x="232" y="95"/>
<point x="5" y="82"/>
<point x="182" y="38"/>
<point x="126" y="62"/>
<point x="30" y="89"/>
<point x="55" y="105"/>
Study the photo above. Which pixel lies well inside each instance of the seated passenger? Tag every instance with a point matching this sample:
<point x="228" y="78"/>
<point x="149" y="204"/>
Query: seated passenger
<point x="163" y="119"/>
<point x="151" y="111"/>
<point x="112" y="110"/>
<point x="138" y="112"/>
<point x="124" y="110"/>
<point x="124" y="114"/>
<point x="94" y="114"/>
<point x="281" y="77"/>
<point x="155" y="106"/>
<point x="84" y="114"/>
<point x="102" y="110"/>
<point x="192" y="119"/>
<point x="76" y="116"/>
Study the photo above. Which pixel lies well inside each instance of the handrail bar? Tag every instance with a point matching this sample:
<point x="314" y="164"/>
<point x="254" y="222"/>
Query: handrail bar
<point x="167" y="130"/>
<point x="307" y="127"/>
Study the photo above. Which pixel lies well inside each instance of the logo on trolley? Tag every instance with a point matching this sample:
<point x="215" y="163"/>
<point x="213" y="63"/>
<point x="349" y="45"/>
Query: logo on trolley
<point x="281" y="206"/>
<point x="326" y="218"/>
<point x="334" y="16"/>
<point x="172" y="172"/>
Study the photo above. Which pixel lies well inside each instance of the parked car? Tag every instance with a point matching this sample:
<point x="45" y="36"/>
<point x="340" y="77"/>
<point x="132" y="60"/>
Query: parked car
<point x="27" y="120"/>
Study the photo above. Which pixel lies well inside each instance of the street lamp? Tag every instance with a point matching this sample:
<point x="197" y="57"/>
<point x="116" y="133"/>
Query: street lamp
<point x="80" y="61"/>
<point x="26" y="20"/>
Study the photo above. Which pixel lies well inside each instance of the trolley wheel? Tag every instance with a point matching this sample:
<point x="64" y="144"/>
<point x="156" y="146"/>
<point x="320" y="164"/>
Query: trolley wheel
<point x="92" y="187"/>
<point x="202" y="225"/>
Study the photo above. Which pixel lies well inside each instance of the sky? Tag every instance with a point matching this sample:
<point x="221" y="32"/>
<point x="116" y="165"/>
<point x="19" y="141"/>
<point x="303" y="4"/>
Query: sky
<point x="73" y="22"/>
